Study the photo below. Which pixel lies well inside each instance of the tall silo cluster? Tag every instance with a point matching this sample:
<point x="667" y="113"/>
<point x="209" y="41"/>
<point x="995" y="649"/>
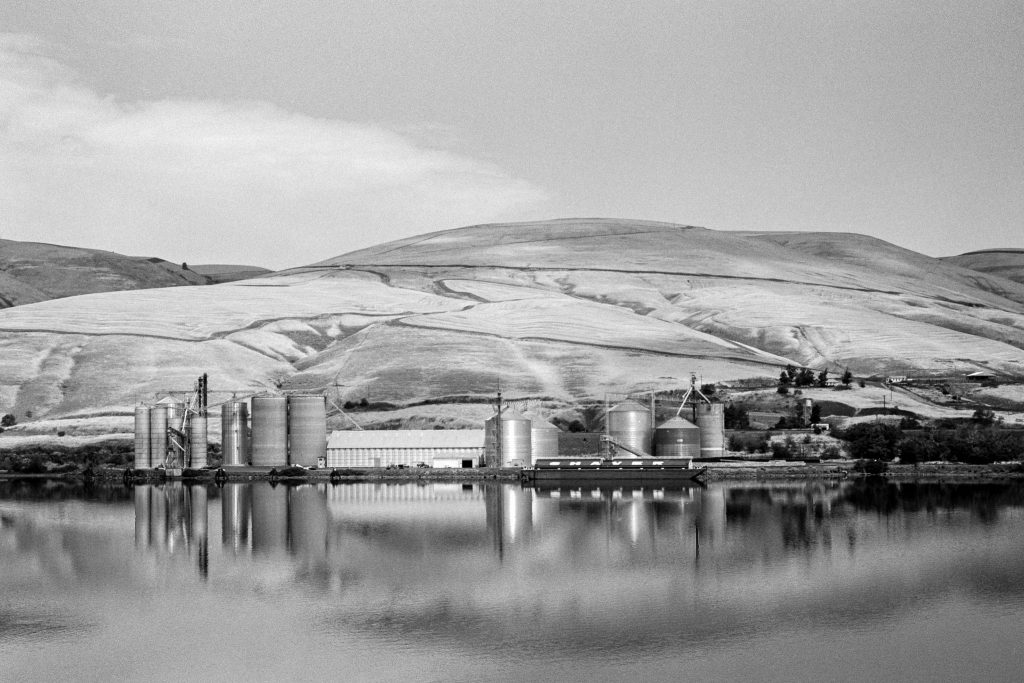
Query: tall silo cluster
<point x="285" y="430"/>
<point x="630" y="424"/>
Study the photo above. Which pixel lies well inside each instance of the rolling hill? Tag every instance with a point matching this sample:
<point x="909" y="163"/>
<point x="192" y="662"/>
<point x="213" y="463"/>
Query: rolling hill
<point x="31" y="272"/>
<point x="1008" y="263"/>
<point x="563" y="309"/>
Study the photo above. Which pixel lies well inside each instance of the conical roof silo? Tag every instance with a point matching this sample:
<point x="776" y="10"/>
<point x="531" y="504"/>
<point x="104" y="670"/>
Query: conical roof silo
<point x="677" y="438"/>
<point x="515" y="440"/>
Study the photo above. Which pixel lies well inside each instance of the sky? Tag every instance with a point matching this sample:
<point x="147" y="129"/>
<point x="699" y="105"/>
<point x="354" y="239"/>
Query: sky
<point x="282" y="133"/>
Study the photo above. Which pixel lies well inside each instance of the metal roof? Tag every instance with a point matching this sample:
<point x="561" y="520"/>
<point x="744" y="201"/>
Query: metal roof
<point x="407" y="438"/>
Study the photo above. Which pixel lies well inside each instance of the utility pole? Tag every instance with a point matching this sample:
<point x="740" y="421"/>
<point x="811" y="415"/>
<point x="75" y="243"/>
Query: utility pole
<point x="500" y="433"/>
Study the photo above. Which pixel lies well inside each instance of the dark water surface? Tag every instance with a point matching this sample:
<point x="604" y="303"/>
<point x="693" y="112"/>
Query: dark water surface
<point x="741" y="581"/>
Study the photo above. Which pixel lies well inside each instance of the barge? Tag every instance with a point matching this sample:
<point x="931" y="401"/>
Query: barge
<point x="576" y="469"/>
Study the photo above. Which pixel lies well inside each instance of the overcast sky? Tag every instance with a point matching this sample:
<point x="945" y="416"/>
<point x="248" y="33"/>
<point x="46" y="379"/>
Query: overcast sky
<point x="283" y="133"/>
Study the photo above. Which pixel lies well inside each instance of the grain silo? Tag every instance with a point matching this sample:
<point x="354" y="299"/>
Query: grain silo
<point x="234" y="433"/>
<point x="142" y="438"/>
<point x="157" y="435"/>
<point x="197" y="441"/>
<point x="269" y="442"/>
<point x="710" y="418"/>
<point x="677" y="438"/>
<point x="307" y="430"/>
<point x="513" y="449"/>
<point x="543" y="438"/>
<point x="629" y="423"/>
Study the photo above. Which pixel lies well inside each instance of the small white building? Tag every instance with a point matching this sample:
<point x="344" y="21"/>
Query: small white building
<point x="409" y="447"/>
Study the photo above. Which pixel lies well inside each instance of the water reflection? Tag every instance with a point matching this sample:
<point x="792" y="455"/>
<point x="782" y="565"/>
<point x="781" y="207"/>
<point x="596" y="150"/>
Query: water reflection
<point x="504" y="571"/>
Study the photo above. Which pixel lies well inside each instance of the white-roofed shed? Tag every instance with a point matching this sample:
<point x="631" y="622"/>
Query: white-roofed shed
<point x="380" y="448"/>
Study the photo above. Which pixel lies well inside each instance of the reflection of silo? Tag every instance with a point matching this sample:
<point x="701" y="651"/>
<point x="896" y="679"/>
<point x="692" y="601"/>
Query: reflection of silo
<point x="198" y="527"/>
<point x="629" y="423"/>
<point x="710" y="418"/>
<point x="677" y="438"/>
<point x="269" y="431"/>
<point x="142" y="438"/>
<point x="234" y="434"/>
<point x="515" y="440"/>
<point x="307" y="430"/>
<point x="157" y="517"/>
<point x="269" y="518"/>
<point x="141" y="494"/>
<point x="157" y="435"/>
<point x="234" y="515"/>
<point x="197" y="441"/>
<point x="308" y="520"/>
<point x="543" y="438"/>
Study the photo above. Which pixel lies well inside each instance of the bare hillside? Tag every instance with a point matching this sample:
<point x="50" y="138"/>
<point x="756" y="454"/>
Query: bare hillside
<point x="560" y="309"/>
<point x="1007" y="263"/>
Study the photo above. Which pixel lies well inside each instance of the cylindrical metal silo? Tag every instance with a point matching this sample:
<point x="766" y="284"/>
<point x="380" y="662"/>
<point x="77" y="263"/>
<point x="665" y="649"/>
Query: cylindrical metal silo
<point x="710" y="418"/>
<point x="307" y="430"/>
<point x="197" y="441"/>
<point x="516" y="441"/>
<point x="677" y="438"/>
<point x="157" y="435"/>
<point x="175" y="414"/>
<point x="142" y="438"/>
<point x="269" y="431"/>
<point x="629" y="423"/>
<point x="543" y="438"/>
<point x="234" y="433"/>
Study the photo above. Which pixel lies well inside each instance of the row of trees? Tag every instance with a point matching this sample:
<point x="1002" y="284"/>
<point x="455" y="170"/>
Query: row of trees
<point x="975" y="444"/>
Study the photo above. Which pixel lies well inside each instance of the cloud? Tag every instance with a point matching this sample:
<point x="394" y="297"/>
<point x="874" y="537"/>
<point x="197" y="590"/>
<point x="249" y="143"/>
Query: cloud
<point x="211" y="181"/>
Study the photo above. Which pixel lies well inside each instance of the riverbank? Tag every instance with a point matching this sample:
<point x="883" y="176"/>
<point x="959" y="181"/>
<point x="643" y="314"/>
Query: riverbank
<point x="720" y="471"/>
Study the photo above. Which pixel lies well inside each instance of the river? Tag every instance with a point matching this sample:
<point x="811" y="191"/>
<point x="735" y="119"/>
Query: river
<point x="853" y="580"/>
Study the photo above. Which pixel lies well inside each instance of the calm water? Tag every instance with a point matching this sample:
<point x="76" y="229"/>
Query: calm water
<point x="493" y="582"/>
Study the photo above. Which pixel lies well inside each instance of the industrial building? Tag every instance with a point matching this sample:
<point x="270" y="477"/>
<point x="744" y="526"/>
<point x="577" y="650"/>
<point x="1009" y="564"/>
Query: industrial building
<point x="381" y="448"/>
<point x="274" y="431"/>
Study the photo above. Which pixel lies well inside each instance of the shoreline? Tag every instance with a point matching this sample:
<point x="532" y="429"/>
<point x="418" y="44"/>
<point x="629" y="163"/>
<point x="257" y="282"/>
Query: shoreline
<point x="716" y="472"/>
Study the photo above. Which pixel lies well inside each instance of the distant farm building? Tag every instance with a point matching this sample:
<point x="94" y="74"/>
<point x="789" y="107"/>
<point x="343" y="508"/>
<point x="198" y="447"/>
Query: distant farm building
<point x="980" y="376"/>
<point x="896" y="379"/>
<point x="409" y="447"/>
<point x="764" y="420"/>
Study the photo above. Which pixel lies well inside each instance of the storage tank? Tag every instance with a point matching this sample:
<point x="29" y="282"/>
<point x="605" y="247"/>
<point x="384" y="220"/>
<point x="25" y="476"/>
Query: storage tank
<point x="677" y="438"/>
<point x="543" y="437"/>
<point x="515" y="440"/>
<point x="142" y="438"/>
<point x="197" y="441"/>
<point x="157" y="435"/>
<point x="269" y="442"/>
<point x="629" y="423"/>
<point x="234" y="433"/>
<point x="175" y="413"/>
<point x="307" y="430"/>
<point x="710" y="418"/>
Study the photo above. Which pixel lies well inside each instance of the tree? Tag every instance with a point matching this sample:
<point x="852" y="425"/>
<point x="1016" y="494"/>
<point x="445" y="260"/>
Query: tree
<point x="847" y="377"/>
<point x="984" y="417"/>
<point x="736" y="417"/>
<point x="822" y="378"/>
<point x="184" y="266"/>
<point x="784" y="378"/>
<point x="805" y="377"/>
<point x="7" y="420"/>
<point x="707" y="389"/>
